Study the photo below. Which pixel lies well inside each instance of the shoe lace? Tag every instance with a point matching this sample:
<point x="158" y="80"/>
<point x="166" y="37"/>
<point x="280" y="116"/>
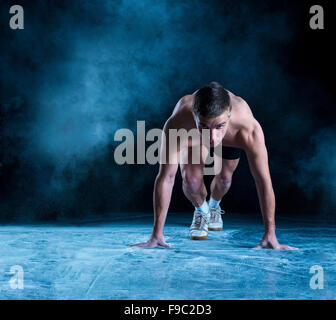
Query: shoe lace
<point x="216" y="213"/>
<point x="200" y="220"/>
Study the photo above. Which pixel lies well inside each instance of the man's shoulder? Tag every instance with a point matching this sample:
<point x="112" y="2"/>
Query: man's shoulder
<point x="181" y="114"/>
<point x="240" y="105"/>
<point x="183" y="103"/>
<point x="251" y="133"/>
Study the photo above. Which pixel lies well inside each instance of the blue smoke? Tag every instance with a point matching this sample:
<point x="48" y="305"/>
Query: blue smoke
<point x="316" y="174"/>
<point x="78" y="72"/>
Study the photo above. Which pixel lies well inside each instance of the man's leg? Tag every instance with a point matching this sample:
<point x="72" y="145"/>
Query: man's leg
<point x="194" y="189"/>
<point x="221" y="183"/>
<point x="192" y="174"/>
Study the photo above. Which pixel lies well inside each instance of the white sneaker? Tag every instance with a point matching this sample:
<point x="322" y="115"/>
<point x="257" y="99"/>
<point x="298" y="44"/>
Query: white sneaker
<point x="216" y="222"/>
<point x="199" y="226"/>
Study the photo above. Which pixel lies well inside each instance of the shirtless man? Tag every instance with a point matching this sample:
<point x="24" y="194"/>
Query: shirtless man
<point x="230" y="122"/>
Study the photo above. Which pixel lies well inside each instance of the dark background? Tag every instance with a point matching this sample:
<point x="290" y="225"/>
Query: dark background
<point x="80" y="70"/>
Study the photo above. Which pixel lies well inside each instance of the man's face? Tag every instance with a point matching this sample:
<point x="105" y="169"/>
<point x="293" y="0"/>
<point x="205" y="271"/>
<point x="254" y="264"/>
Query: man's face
<point x="217" y="127"/>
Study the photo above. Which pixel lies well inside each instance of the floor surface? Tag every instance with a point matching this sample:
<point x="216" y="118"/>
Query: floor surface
<point x="93" y="260"/>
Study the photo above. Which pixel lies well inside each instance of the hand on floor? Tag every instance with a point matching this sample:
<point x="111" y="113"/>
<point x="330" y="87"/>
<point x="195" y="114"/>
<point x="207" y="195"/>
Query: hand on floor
<point x="152" y="243"/>
<point x="271" y="242"/>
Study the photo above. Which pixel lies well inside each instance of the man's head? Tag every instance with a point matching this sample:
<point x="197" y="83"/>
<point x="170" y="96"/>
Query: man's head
<point x="212" y="110"/>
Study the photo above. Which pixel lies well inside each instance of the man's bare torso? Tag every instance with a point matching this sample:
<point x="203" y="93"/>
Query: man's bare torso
<point x="241" y="124"/>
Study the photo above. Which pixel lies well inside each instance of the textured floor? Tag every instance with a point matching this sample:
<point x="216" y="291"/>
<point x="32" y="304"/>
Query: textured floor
<point x="93" y="261"/>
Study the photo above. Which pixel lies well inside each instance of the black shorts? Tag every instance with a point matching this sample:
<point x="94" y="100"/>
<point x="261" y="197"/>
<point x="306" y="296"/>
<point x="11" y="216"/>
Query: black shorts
<point x="228" y="153"/>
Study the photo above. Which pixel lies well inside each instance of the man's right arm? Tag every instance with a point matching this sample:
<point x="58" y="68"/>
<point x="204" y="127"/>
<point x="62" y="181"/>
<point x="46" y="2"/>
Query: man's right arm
<point x="163" y="187"/>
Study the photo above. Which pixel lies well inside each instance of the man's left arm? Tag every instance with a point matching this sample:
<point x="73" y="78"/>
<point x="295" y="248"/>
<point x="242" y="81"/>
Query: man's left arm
<point x="256" y="152"/>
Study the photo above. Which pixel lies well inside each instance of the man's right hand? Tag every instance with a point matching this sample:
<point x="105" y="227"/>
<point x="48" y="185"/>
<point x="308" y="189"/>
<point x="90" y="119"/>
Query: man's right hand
<point x="152" y="243"/>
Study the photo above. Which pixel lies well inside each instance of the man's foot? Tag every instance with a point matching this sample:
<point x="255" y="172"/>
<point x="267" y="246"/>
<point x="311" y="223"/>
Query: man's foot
<point x="216" y="222"/>
<point x="199" y="226"/>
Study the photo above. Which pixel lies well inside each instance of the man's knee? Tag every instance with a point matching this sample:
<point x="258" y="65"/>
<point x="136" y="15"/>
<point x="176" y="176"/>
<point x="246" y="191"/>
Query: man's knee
<point x="224" y="180"/>
<point x="192" y="182"/>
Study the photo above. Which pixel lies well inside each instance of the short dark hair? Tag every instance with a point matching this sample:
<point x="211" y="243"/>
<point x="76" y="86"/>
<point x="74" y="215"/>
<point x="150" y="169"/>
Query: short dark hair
<point x="211" y="101"/>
